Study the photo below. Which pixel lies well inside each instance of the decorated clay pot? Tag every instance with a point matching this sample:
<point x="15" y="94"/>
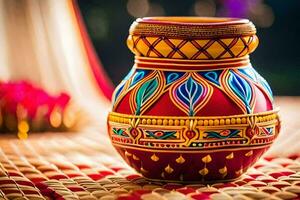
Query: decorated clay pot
<point x="192" y="108"/>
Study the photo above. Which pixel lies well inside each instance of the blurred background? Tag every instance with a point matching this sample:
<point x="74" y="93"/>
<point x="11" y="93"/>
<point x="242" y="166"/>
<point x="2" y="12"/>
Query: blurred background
<point x="277" y="57"/>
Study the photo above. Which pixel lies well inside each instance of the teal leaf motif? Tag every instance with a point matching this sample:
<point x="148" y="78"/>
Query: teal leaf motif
<point x="120" y="132"/>
<point x="242" y="89"/>
<point x="231" y="133"/>
<point x="269" y="131"/>
<point x="145" y="92"/>
<point x="161" y="135"/>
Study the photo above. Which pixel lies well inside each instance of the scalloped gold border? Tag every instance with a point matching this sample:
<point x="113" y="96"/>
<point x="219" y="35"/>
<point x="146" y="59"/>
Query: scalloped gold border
<point x="200" y="121"/>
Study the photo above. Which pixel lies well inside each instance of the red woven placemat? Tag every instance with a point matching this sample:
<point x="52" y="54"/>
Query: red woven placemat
<point x="84" y="166"/>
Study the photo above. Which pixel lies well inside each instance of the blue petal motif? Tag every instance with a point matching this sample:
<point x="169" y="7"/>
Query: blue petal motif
<point x="172" y="76"/>
<point x="242" y="89"/>
<point x="139" y="75"/>
<point x="212" y="76"/>
<point x="265" y="85"/>
<point x="145" y="92"/>
<point x="120" y="87"/>
<point x="118" y="91"/>
<point x="189" y="94"/>
<point x="130" y="73"/>
<point x="249" y="72"/>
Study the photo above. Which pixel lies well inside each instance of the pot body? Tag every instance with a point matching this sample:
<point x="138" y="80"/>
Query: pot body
<point x="192" y="108"/>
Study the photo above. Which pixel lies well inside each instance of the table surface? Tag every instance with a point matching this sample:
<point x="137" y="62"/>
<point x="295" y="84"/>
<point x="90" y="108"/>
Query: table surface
<point x="85" y="166"/>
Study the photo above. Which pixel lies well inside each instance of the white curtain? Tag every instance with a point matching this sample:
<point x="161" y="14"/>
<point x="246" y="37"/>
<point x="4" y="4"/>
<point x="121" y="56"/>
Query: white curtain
<point x="40" y="41"/>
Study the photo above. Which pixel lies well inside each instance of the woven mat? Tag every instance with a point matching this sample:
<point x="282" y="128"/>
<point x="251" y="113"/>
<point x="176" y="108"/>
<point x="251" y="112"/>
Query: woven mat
<point x="84" y="166"/>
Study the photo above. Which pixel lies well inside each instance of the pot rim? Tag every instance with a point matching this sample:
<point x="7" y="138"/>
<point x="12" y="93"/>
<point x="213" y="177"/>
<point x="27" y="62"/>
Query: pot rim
<point x="192" y="38"/>
<point x="190" y="20"/>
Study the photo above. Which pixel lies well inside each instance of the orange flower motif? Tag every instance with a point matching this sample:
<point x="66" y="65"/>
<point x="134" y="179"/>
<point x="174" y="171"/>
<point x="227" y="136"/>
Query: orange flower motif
<point x="225" y="133"/>
<point x="158" y="133"/>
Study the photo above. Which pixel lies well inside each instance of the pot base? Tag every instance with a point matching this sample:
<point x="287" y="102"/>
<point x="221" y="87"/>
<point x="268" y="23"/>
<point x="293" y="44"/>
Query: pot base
<point x="195" y="166"/>
<point x="192" y="149"/>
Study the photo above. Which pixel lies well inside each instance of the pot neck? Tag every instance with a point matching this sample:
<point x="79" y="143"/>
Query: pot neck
<point x="192" y="38"/>
<point x="190" y="65"/>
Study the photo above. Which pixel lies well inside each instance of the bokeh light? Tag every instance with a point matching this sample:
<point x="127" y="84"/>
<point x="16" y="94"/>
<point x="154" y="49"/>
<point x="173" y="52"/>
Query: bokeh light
<point x="138" y="8"/>
<point x="205" y="8"/>
<point x="156" y="10"/>
<point x="99" y="22"/>
<point x="262" y="15"/>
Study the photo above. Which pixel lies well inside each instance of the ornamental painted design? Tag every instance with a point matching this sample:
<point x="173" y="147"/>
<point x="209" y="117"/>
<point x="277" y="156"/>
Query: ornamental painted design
<point x="190" y="94"/>
<point x="206" y="133"/>
<point x="120" y="132"/>
<point x="257" y="79"/>
<point x="160" y="134"/>
<point x="190" y="91"/>
<point x="223" y="134"/>
<point x="240" y="91"/>
<point x="147" y="92"/>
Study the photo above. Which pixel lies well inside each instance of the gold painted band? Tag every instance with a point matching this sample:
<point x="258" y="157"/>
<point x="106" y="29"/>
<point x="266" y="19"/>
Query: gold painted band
<point x="202" y="121"/>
